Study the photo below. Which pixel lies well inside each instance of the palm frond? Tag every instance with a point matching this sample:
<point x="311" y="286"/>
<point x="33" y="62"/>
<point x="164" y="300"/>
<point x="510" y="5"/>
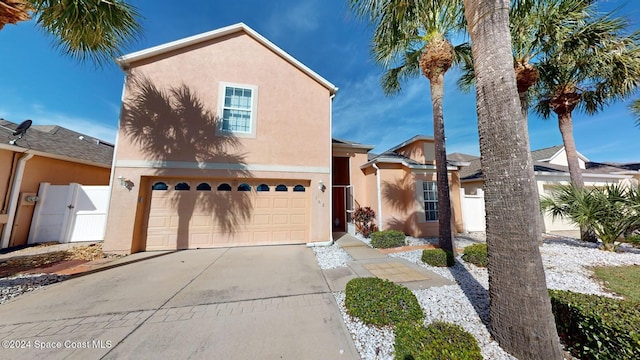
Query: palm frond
<point x="95" y="30"/>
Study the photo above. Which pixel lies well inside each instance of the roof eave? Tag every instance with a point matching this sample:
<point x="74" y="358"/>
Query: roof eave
<point x="126" y="60"/>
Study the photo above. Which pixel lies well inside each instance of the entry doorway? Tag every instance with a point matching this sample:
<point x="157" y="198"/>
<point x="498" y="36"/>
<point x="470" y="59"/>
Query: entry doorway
<point x="343" y="208"/>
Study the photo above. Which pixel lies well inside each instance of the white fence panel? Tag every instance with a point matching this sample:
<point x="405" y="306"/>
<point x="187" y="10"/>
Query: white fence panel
<point x="473" y="213"/>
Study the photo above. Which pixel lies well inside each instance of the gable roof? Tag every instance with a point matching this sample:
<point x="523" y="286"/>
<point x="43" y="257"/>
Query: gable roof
<point x="546" y="154"/>
<point x="58" y="142"/>
<point x="412" y="140"/>
<point x="460" y="157"/>
<point x="126" y="60"/>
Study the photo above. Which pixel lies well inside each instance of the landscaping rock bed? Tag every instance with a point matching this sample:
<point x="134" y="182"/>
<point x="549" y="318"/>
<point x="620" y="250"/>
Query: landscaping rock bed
<point x="567" y="265"/>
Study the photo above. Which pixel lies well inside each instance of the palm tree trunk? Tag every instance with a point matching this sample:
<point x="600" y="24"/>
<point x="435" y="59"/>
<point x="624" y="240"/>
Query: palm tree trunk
<point x="566" y="129"/>
<point x="520" y="311"/>
<point x="444" y="202"/>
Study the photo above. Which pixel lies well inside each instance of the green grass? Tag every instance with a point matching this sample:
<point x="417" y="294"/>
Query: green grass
<point x="622" y="280"/>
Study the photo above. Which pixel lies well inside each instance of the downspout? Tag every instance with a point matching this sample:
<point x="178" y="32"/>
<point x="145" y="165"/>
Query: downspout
<point x="379" y="196"/>
<point x="331" y="240"/>
<point x="13" y="200"/>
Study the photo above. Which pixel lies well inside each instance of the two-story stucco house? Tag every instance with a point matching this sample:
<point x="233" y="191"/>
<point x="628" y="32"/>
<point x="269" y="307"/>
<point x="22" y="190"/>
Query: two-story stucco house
<point x="225" y="140"/>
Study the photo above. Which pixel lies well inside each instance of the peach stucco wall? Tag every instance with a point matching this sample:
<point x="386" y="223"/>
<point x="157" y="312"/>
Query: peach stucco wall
<point x="42" y="169"/>
<point x="422" y="151"/>
<point x="292" y="139"/>
<point x="400" y="208"/>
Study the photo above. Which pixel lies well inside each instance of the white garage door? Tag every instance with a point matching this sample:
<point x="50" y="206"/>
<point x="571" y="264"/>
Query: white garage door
<point x="204" y="214"/>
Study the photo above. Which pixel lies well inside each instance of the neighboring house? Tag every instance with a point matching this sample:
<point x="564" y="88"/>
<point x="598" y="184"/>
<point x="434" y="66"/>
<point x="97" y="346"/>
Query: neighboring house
<point x="550" y="169"/>
<point x="399" y="185"/>
<point x="45" y="154"/>
<point x="224" y="140"/>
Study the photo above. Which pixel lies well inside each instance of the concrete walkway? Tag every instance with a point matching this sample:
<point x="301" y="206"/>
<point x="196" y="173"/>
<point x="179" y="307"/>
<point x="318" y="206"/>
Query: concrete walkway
<point x="369" y="262"/>
<point x="268" y="302"/>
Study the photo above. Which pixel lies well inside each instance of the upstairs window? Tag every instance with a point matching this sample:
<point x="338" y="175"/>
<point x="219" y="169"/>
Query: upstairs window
<point x="238" y="109"/>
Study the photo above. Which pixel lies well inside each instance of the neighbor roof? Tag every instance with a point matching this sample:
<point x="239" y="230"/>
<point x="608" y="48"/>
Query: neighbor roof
<point x="352" y="144"/>
<point x="540" y="164"/>
<point x="58" y="142"/>
<point x="126" y="60"/>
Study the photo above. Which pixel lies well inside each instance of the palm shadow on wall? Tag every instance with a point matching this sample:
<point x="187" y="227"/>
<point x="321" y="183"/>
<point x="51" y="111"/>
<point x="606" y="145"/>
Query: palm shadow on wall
<point x="174" y="125"/>
<point x="401" y="196"/>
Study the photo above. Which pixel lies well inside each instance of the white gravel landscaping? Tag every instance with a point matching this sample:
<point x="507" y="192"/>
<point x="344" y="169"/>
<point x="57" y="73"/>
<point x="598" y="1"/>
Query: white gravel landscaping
<point x="566" y="261"/>
<point x="17" y="285"/>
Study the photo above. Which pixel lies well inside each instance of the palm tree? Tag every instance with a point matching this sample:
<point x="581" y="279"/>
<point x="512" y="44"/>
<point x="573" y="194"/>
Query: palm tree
<point x="520" y="310"/>
<point x="595" y="64"/>
<point x="411" y="37"/>
<point x="611" y="211"/>
<point x="95" y="30"/>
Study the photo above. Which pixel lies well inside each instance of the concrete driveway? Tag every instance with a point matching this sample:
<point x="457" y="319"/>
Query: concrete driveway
<point x="268" y="302"/>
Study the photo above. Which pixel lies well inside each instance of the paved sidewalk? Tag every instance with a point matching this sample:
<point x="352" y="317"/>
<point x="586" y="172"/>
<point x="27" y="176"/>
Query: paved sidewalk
<point x="369" y="262"/>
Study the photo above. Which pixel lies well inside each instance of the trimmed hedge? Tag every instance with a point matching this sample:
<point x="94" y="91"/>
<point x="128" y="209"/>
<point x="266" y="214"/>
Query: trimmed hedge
<point x="438" y="257"/>
<point x="380" y="302"/>
<point x="476" y="254"/>
<point x="438" y="340"/>
<point x="388" y="239"/>
<point x="597" y="327"/>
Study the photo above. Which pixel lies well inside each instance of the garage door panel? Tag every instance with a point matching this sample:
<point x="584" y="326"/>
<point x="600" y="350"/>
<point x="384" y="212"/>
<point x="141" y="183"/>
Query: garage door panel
<point x="298" y="219"/>
<point x="280" y="219"/>
<point x="261" y="219"/>
<point x="275" y="217"/>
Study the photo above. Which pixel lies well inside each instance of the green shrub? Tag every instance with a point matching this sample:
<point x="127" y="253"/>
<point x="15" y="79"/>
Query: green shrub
<point x="387" y="239"/>
<point x="438" y="257"/>
<point x="597" y="327"/>
<point x="380" y="302"/>
<point x="476" y="254"/>
<point x="439" y="340"/>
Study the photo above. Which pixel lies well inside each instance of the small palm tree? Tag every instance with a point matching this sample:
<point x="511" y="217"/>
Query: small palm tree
<point x="610" y="211"/>
<point x="95" y="30"/>
<point x="412" y="37"/>
<point x="596" y="63"/>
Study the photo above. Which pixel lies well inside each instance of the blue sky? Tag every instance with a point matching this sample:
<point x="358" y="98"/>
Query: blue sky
<point x="41" y="84"/>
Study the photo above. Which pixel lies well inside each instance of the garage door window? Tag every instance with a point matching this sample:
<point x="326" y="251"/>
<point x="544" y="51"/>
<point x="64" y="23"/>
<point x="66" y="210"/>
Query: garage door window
<point x="159" y="186"/>
<point x="224" y="187"/>
<point x="244" y="187"/>
<point x="203" y="187"/>
<point x="262" y="187"/>
<point x="298" y="188"/>
<point x="281" y="188"/>
<point x="182" y="186"/>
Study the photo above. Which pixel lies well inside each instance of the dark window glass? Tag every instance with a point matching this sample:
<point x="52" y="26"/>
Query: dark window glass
<point x="281" y="188"/>
<point x="182" y="186"/>
<point x="224" y="187"/>
<point x="244" y="187"/>
<point x="203" y="187"/>
<point x="298" y="188"/>
<point x="159" y="186"/>
<point x="262" y="187"/>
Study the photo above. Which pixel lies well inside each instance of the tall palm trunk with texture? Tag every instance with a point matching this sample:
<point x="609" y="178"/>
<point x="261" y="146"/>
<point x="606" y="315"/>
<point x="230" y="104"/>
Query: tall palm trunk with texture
<point x="434" y="62"/>
<point x="563" y="104"/>
<point x="520" y="311"/>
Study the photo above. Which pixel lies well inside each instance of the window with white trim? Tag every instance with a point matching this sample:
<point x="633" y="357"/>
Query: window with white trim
<point x="430" y="193"/>
<point x="238" y="109"/>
